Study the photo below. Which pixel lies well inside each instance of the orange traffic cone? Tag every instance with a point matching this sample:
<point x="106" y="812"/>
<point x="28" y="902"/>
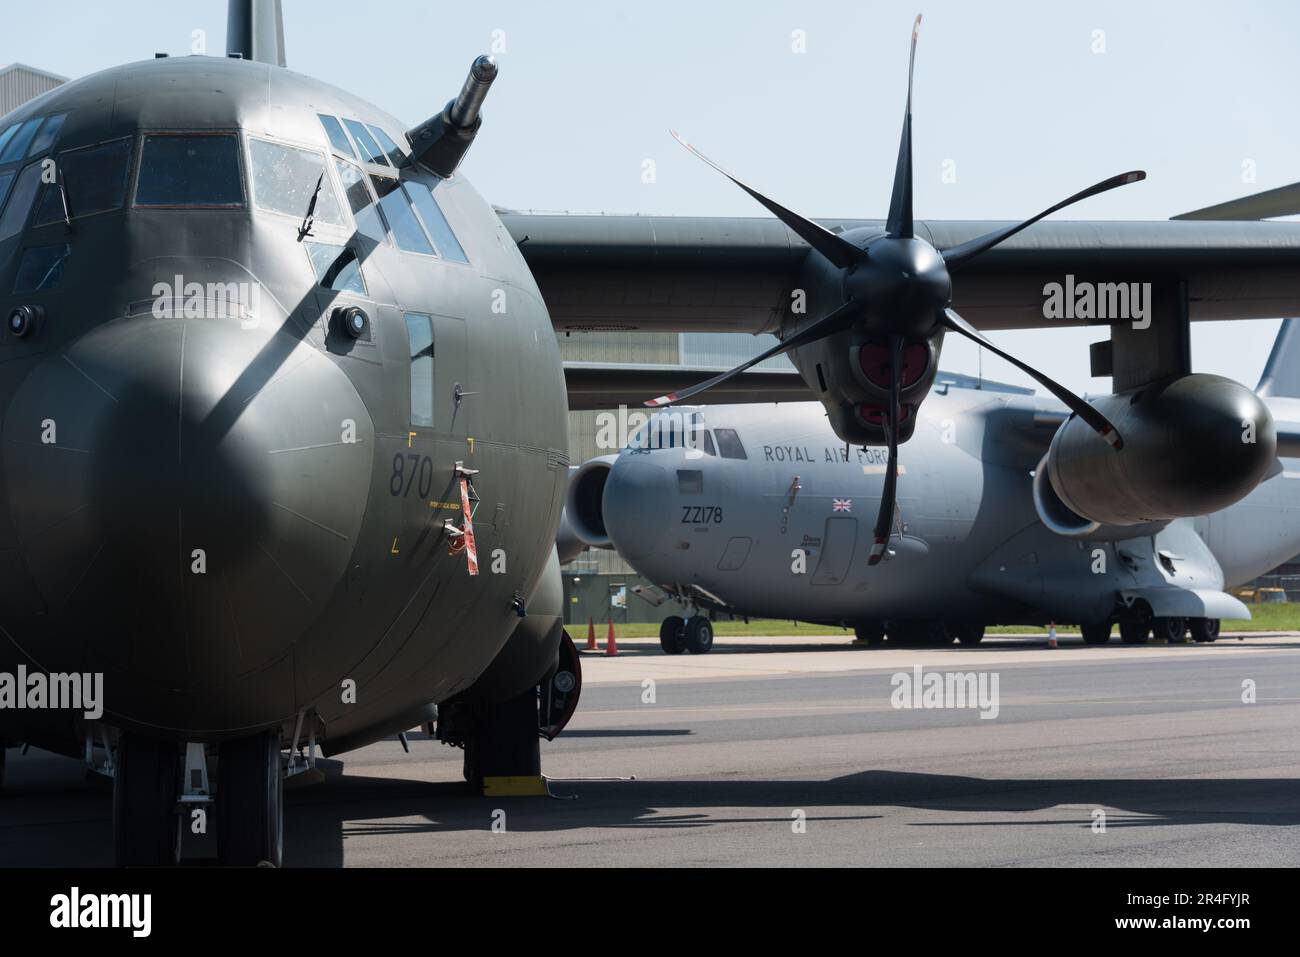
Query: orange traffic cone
<point x="591" y="634"/>
<point x="611" y="646"/>
<point x="1051" y="635"/>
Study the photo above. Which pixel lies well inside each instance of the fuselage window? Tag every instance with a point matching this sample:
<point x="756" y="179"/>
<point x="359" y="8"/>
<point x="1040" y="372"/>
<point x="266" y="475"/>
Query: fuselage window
<point x="443" y="238"/>
<point x="419" y="331"/>
<point x="729" y="445"/>
<point x="370" y="151"/>
<point x="338" y="139"/>
<point x="193" y="171"/>
<point x="362" y="201"/>
<point x="49" y="130"/>
<point x="395" y="155"/>
<point x="22" y="138"/>
<point x="401" y="219"/>
<point x="95" y="181"/>
<point x="20" y="203"/>
<point x="41" y="268"/>
<point x="336" y="267"/>
<point x="285" y="178"/>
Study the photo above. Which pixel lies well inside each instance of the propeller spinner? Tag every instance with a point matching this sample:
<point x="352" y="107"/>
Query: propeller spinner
<point x="898" y="287"/>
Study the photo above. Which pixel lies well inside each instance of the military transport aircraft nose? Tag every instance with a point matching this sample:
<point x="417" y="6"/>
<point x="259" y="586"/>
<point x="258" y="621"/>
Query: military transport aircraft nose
<point x="188" y="494"/>
<point x="637" y="504"/>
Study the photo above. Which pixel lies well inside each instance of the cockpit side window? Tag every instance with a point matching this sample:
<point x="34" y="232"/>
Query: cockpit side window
<point x="395" y="155"/>
<point x="729" y="444"/>
<point x="20" y="202"/>
<point x="49" y="130"/>
<point x="370" y="222"/>
<point x="22" y="138"/>
<point x="338" y="139"/>
<point x="336" y="267"/>
<point x="190" y="170"/>
<point x="95" y="181"/>
<point x="401" y="219"/>
<point x="435" y="222"/>
<point x="370" y="150"/>
<point x="285" y="178"/>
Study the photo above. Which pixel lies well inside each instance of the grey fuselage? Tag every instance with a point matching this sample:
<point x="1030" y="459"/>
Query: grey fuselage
<point x="236" y="514"/>
<point x="785" y="532"/>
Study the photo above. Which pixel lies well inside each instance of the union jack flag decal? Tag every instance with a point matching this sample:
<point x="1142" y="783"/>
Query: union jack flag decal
<point x="842" y="505"/>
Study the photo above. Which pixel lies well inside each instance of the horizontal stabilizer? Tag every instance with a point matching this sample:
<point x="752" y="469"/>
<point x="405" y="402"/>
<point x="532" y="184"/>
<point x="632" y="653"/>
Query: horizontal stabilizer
<point x="1283" y="201"/>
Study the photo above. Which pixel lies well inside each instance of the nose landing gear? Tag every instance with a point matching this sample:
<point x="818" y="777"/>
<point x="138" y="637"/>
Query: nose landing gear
<point x="694" y="634"/>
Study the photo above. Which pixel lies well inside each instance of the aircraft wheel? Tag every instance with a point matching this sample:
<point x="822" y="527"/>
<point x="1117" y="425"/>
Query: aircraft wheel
<point x="1203" y="629"/>
<point x="1098" y="634"/>
<point x="1172" y="630"/>
<point x="869" y="632"/>
<point x="250" y="802"/>
<point x="968" y="633"/>
<point x="699" y="635"/>
<point x="935" y="634"/>
<point x="672" y="635"/>
<point x="1134" y="632"/>
<point x="146" y="827"/>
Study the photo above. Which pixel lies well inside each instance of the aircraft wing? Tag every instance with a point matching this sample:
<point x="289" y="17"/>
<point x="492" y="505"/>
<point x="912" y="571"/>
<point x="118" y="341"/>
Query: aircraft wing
<point x="694" y="274"/>
<point x="594" y="385"/>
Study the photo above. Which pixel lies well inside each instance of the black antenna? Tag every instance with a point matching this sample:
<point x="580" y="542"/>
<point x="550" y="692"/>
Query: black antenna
<point x="255" y="31"/>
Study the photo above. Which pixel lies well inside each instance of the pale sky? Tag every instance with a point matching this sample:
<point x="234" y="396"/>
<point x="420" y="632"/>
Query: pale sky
<point x="1012" y="92"/>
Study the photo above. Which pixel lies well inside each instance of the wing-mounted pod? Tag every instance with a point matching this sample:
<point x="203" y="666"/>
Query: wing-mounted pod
<point x="441" y="142"/>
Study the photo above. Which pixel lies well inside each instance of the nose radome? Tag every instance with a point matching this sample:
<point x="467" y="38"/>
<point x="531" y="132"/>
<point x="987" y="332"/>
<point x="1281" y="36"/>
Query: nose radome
<point x="187" y="491"/>
<point x="636" y="505"/>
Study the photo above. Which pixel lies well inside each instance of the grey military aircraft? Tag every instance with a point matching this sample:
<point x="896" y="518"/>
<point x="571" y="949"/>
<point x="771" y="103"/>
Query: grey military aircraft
<point x="284" y="428"/>
<point x="754" y="510"/>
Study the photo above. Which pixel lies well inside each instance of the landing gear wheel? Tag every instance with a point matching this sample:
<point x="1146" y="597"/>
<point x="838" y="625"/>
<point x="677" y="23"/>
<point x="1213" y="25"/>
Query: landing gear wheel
<point x="1203" y="629"/>
<point x="1098" y="634"/>
<point x="250" y="802"/>
<point x="672" y="635"/>
<point x="1172" y="630"/>
<point x="1134" y="632"/>
<point x="146" y="827"/>
<point x="699" y="635"/>
<point x="870" y="632"/>
<point x="967" y="633"/>
<point x="919" y="634"/>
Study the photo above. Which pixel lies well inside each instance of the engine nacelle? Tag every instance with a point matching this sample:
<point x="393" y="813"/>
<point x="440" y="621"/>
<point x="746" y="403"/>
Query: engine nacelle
<point x="582" y="504"/>
<point x="1192" y="445"/>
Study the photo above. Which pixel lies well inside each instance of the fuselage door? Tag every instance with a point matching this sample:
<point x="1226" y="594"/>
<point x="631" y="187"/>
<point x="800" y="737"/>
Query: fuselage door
<point x="838" y="545"/>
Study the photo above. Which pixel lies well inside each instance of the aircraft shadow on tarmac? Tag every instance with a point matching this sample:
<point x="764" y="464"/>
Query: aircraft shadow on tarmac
<point x="58" y="820"/>
<point x="1259" y="640"/>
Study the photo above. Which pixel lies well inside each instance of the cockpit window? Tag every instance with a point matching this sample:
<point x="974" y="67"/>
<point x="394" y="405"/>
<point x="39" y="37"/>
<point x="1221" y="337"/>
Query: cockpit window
<point x="729" y="444"/>
<point x="338" y="139"/>
<point x="22" y="138"/>
<point x="95" y="180"/>
<point x="401" y="219"/>
<point x="395" y="155"/>
<point x="439" y="230"/>
<point x="20" y="202"/>
<point x="190" y="170"/>
<point x="285" y="178"/>
<point x="362" y="201"/>
<point x="336" y="267"/>
<point x="41" y="268"/>
<point x="370" y="150"/>
<point x="6" y="178"/>
<point x="49" y="130"/>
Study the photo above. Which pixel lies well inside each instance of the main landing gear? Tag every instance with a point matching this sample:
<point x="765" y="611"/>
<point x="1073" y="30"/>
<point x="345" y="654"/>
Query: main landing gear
<point x="694" y="634"/>
<point x="1139" y="631"/>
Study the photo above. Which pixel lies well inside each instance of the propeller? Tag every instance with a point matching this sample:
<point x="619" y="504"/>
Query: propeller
<point x="898" y="286"/>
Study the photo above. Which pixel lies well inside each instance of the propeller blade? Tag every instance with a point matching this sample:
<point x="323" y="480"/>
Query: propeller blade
<point x="840" y="318"/>
<point x="888" y="494"/>
<point x="839" y="251"/>
<point x="1078" y="406"/>
<point x="899" y="223"/>
<point x="963" y="253"/>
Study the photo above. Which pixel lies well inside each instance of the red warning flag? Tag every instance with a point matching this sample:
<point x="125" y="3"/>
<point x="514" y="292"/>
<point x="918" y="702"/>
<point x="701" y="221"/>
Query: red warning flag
<point x="467" y="526"/>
